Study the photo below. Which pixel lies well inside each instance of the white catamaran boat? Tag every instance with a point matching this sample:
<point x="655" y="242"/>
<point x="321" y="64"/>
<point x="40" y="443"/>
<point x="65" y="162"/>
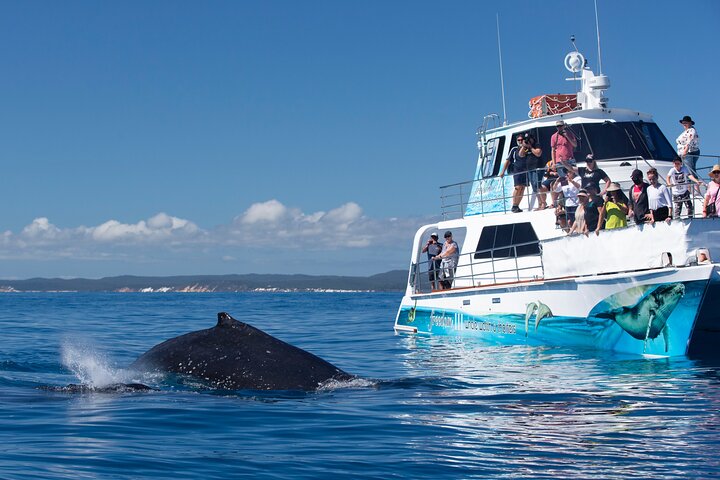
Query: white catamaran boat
<point x="650" y="289"/>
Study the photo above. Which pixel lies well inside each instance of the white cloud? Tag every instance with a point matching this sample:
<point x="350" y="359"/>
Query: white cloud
<point x="40" y="228"/>
<point x="159" y="227"/>
<point x="266" y="233"/>
<point x="345" y="214"/>
<point x="281" y="226"/>
<point x="165" y="221"/>
<point x="267" y="212"/>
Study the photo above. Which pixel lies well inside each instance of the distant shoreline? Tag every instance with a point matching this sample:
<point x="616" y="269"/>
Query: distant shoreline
<point x="394" y="280"/>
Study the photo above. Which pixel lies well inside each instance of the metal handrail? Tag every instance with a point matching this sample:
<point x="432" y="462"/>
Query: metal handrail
<point x="454" y="205"/>
<point x="423" y="268"/>
<point x="449" y="210"/>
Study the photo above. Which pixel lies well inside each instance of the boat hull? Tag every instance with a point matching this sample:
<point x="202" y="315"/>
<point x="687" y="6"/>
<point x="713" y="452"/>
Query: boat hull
<point x="652" y="312"/>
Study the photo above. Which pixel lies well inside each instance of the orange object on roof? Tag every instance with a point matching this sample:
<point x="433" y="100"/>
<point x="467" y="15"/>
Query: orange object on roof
<point x="552" y="104"/>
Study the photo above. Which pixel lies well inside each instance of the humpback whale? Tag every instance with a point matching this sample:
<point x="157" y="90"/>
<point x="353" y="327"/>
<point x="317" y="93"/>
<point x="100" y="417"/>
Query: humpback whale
<point x="233" y="355"/>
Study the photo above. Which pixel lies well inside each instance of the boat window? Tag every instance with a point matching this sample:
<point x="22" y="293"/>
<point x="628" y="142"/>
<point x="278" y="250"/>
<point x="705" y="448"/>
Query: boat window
<point x="610" y="140"/>
<point x="500" y="145"/>
<point x="655" y="141"/>
<point x="614" y="140"/>
<point x="490" y="154"/>
<point x="497" y="241"/>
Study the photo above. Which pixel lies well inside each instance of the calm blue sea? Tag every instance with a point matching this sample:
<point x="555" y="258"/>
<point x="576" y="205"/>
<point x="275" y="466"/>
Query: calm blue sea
<point x="425" y="408"/>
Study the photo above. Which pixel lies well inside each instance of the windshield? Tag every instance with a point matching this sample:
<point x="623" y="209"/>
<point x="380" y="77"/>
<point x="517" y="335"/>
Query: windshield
<point x="614" y="140"/>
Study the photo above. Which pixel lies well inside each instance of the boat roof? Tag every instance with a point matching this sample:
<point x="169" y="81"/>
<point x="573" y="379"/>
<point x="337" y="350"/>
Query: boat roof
<point x="595" y="115"/>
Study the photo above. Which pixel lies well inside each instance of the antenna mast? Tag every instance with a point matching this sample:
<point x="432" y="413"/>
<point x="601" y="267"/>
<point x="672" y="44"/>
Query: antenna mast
<point x="597" y="27"/>
<point x="502" y="81"/>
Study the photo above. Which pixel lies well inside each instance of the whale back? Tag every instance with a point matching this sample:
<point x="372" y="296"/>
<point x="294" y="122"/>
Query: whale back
<point x="234" y="355"/>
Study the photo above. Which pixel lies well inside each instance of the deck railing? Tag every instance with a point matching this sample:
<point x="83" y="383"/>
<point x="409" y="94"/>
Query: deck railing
<point x="456" y="200"/>
<point x="475" y="269"/>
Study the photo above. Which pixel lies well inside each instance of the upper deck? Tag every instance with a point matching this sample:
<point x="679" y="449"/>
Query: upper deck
<point x="500" y="245"/>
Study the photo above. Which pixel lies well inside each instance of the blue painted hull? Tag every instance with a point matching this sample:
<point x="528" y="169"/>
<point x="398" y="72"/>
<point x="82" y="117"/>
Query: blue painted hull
<point x="652" y="319"/>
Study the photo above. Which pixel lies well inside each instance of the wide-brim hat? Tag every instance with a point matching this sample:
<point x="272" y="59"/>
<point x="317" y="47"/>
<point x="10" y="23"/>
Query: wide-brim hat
<point x="687" y="119"/>
<point x="715" y="168"/>
<point x="614" y="187"/>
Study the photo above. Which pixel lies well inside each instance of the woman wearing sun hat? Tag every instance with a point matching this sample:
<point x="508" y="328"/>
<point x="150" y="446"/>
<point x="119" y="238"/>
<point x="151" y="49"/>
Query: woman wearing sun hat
<point x="711" y="205"/>
<point x="614" y="213"/>
<point x="688" y="144"/>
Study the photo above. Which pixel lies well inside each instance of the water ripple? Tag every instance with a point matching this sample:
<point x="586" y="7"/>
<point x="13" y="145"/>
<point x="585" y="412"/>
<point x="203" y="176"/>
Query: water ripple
<point x="421" y="407"/>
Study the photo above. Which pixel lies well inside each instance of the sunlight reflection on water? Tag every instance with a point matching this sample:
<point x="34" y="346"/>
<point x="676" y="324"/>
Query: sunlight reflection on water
<point x="422" y="407"/>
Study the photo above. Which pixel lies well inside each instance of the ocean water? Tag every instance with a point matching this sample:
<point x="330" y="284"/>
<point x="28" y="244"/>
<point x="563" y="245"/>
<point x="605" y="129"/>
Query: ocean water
<point x="423" y="407"/>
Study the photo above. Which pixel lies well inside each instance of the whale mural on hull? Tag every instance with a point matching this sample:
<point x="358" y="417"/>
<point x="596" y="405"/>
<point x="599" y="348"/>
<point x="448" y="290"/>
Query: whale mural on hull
<point x="647" y="317"/>
<point x="650" y="319"/>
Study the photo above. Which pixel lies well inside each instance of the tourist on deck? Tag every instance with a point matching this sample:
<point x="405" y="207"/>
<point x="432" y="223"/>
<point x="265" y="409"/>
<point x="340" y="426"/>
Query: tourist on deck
<point x="678" y="178"/>
<point x="580" y="225"/>
<point x="547" y="184"/>
<point x="563" y="144"/>
<point x="703" y="258"/>
<point x="569" y="187"/>
<point x="449" y="259"/>
<point x="688" y="145"/>
<point x="659" y="200"/>
<point x="614" y="213"/>
<point x="516" y="162"/>
<point x="639" y="206"/>
<point x="534" y="167"/>
<point x="433" y="249"/>
<point x="593" y="209"/>
<point x="590" y="174"/>
<point x="711" y="204"/>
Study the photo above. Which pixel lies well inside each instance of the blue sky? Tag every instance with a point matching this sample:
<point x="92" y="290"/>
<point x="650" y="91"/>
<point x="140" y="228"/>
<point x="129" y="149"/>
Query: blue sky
<point x="170" y="137"/>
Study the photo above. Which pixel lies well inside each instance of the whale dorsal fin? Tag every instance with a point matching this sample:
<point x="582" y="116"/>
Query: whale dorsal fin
<point x="225" y="320"/>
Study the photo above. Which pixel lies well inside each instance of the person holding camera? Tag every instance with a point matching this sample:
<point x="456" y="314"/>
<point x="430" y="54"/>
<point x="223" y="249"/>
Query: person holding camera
<point x="433" y="249"/>
<point x="517" y="159"/>
<point x="546" y="186"/>
<point x="535" y="169"/>
<point x="613" y="214"/>
<point x="563" y="144"/>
